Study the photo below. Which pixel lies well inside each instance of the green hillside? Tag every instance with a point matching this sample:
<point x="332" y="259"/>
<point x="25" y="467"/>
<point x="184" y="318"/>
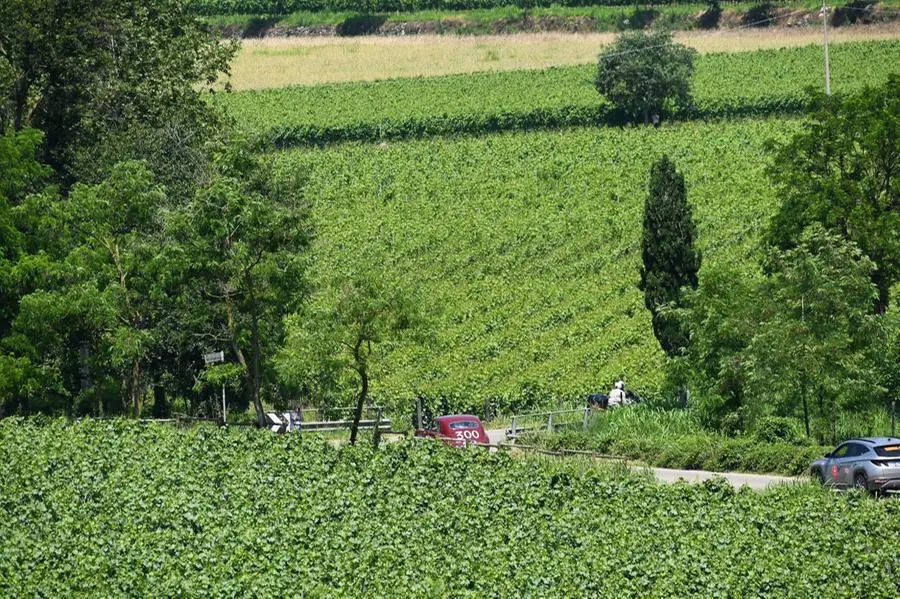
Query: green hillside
<point x="526" y="247"/>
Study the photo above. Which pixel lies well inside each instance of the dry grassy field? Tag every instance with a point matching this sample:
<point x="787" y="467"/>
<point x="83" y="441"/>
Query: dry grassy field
<point x="281" y="62"/>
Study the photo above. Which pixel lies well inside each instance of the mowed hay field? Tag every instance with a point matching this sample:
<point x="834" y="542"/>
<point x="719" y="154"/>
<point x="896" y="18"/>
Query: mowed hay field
<point x="280" y="62"/>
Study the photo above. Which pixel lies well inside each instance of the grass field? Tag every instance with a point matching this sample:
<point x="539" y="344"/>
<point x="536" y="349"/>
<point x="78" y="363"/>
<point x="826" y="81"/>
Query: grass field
<point x="271" y="63"/>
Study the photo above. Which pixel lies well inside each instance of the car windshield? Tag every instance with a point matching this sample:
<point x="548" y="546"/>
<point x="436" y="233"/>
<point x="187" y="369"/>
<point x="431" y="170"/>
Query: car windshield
<point x="463" y="425"/>
<point x="888" y="451"/>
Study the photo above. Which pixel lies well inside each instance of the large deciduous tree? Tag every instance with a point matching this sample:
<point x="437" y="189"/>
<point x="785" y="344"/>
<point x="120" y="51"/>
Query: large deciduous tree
<point x="843" y="171"/>
<point x="816" y="344"/>
<point x="643" y="74"/>
<point x="242" y="242"/>
<point x="93" y="314"/>
<point x="670" y="260"/>
<point x="109" y="79"/>
<point x="339" y="333"/>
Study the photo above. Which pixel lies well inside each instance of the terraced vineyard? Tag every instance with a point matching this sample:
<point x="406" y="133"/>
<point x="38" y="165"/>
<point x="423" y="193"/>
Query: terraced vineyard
<point x="121" y="509"/>
<point x="726" y="85"/>
<point x="526" y="247"/>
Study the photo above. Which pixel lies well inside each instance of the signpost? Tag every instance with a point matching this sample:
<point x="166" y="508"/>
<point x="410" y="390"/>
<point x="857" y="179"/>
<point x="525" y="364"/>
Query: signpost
<point x="216" y="358"/>
<point x="283" y="422"/>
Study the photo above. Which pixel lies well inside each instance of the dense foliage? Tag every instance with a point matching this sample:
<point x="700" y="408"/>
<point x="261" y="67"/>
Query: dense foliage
<point x="106" y="80"/>
<point x="843" y="172"/>
<point x="486" y="102"/>
<point x="700" y="451"/>
<point x="670" y="260"/>
<point x="124" y="509"/>
<point x="646" y="74"/>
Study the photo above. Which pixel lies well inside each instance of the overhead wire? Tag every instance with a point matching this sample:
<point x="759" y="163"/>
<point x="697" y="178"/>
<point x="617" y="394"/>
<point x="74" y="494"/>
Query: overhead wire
<point x="718" y="32"/>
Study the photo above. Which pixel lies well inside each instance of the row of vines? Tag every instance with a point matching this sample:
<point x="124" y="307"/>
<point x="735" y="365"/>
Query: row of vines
<point x="750" y="84"/>
<point x="524" y="249"/>
<point x="121" y="509"/>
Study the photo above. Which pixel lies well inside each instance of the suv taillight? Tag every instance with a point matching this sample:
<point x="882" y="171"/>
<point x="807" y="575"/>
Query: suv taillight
<point x="883" y="463"/>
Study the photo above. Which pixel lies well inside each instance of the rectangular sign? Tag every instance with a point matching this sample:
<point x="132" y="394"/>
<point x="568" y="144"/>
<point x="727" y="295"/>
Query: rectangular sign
<point x="214" y="358"/>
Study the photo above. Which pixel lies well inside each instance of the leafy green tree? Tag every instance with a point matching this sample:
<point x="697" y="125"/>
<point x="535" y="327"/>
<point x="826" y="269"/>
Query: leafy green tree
<point x="646" y="73"/>
<point x="94" y="316"/>
<point x="670" y="260"/>
<point x="20" y="175"/>
<point x="334" y="340"/>
<point x="843" y="171"/>
<point x="816" y="340"/>
<point x="719" y="317"/>
<point x="241" y="244"/>
<point x="107" y="78"/>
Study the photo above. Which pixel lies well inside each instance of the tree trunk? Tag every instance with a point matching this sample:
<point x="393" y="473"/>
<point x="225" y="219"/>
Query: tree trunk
<point x="884" y="290"/>
<point x="136" y="388"/>
<point x="255" y="347"/>
<point x="21" y="102"/>
<point x="805" y="408"/>
<point x="363" y="392"/>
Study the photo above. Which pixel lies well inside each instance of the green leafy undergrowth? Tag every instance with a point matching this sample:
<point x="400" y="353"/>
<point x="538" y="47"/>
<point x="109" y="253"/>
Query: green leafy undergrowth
<point x="767" y="82"/>
<point x="123" y="509"/>
<point x="694" y="452"/>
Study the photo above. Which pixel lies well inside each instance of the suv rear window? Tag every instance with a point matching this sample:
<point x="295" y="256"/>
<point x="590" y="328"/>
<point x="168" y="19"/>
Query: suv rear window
<point x="463" y="425"/>
<point x="888" y="451"/>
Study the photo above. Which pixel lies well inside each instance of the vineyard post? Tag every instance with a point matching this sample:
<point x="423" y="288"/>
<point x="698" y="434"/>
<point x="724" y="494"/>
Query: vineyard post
<point x="893" y="417"/>
<point x="376" y="436"/>
<point x="585" y="423"/>
<point x="825" y="34"/>
<point x="550" y="422"/>
<point x="513" y="427"/>
<point x="419" y="413"/>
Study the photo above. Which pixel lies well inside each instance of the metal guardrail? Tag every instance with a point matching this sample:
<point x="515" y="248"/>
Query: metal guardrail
<point x="547" y="421"/>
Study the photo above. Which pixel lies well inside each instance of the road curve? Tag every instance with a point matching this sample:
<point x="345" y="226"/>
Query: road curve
<point x="669" y="475"/>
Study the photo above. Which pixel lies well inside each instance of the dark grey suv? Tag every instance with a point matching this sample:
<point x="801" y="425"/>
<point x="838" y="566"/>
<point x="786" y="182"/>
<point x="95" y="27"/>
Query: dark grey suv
<point x="871" y="463"/>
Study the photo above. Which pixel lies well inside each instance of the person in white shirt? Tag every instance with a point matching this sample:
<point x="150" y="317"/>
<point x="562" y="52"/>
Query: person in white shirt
<point x="617" y="395"/>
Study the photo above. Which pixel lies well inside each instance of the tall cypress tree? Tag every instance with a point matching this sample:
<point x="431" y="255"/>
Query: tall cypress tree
<point x="670" y="259"/>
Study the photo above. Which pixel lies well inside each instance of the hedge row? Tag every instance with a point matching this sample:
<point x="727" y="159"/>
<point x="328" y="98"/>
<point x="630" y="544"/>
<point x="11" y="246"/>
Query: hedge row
<point x="281" y="7"/>
<point x="694" y="452"/>
<point x="286" y="136"/>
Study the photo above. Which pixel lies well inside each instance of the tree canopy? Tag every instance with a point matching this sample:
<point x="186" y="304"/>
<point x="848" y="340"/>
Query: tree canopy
<point x="843" y="171"/>
<point x="644" y="74"/>
<point x="670" y="260"/>
<point x="92" y="74"/>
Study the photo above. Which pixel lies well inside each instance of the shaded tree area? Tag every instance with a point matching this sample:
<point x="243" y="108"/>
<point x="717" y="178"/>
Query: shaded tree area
<point x="813" y="335"/>
<point x="843" y="172"/>
<point x="105" y="79"/>
<point x="136" y="233"/>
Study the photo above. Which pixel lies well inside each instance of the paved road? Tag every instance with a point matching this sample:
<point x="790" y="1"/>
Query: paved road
<point x="668" y="475"/>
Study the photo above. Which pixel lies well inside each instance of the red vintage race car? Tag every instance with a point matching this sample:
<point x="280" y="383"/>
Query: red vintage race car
<point x="458" y="430"/>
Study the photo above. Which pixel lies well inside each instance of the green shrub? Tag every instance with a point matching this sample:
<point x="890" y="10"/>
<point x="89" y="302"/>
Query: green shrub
<point x="772" y="429"/>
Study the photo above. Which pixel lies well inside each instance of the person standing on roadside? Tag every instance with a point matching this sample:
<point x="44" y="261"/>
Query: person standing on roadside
<point x="617" y="395"/>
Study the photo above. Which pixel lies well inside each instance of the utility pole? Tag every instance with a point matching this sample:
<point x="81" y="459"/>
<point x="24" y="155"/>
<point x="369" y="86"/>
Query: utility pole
<point x="825" y="33"/>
